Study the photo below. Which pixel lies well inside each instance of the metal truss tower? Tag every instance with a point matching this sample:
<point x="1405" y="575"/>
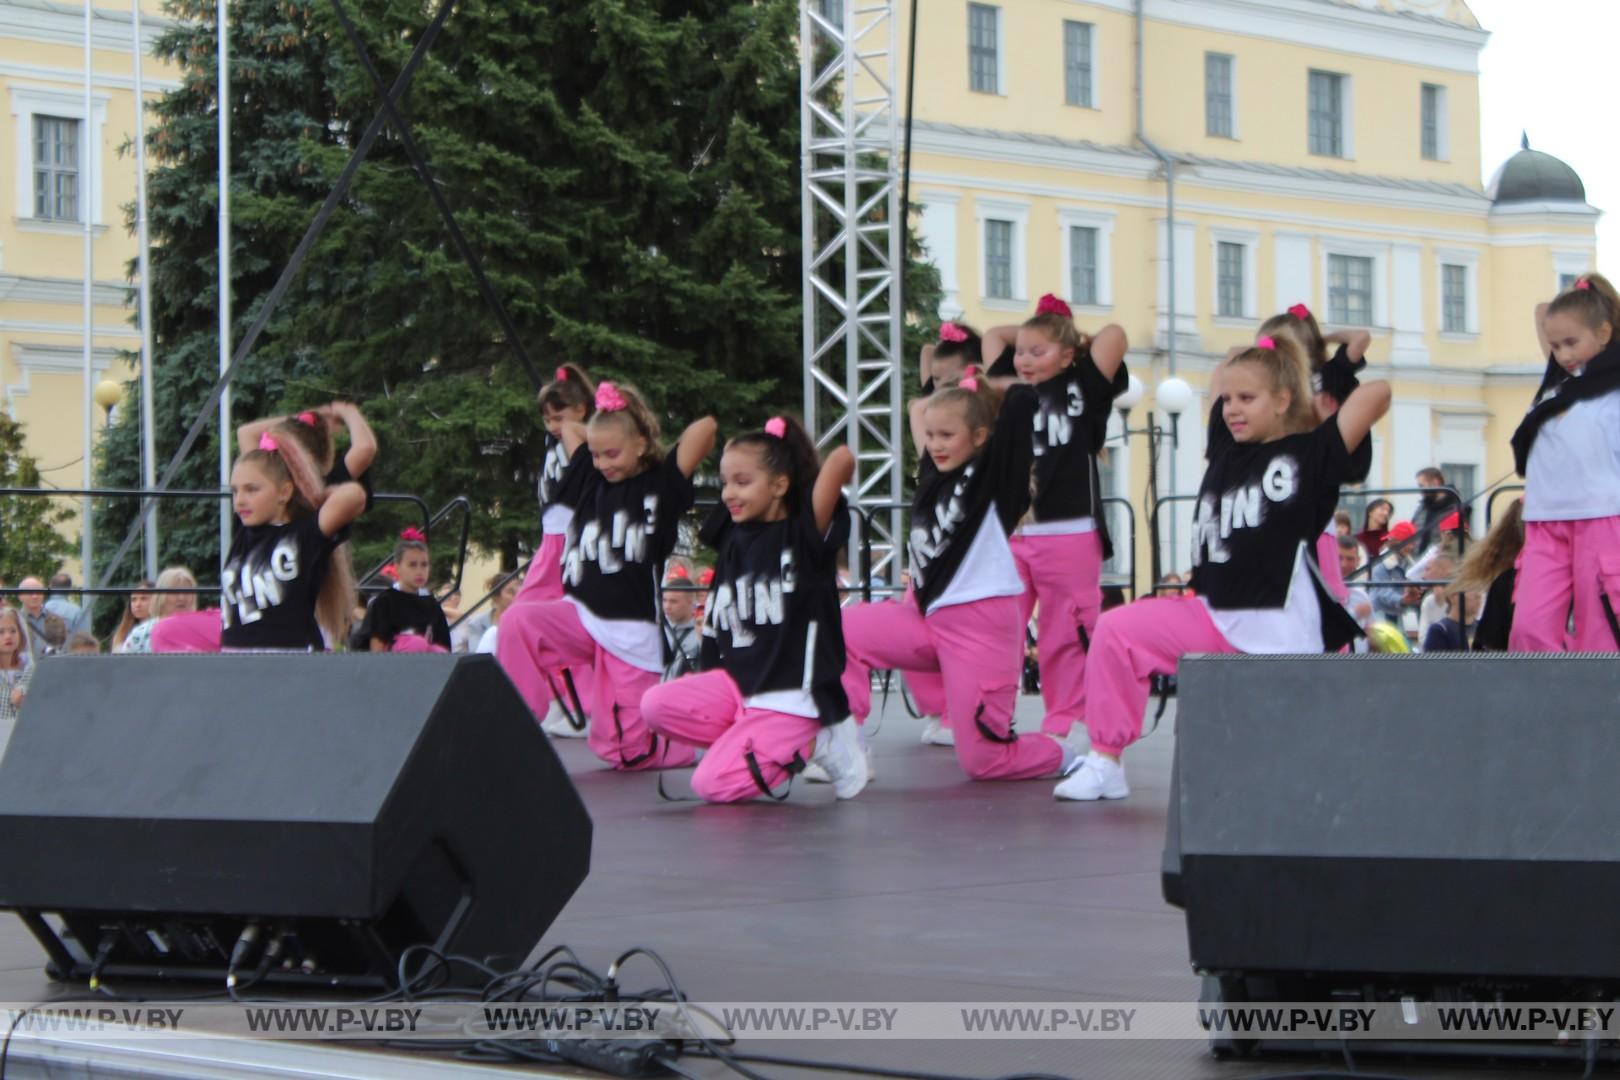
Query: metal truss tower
<point x="853" y="259"/>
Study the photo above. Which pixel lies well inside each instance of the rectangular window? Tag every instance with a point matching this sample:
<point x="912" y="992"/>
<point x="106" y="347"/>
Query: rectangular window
<point x="56" y="168"/>
<point x="1229" y="279"/>
<point x="1218" y="95"/>
<point x="1454" y="299"/>
<point x="1083" y="265"/>
<point x="983" y="48"/>
<point x="1327" y="114"/>
<point x="998" y="259"/>
<point x="1077" y="63"/>
<point x="1465" y="478"/>
<point x="1567" y="281"/>
<point x="1431" y="122"/>
<point x="1350" y="290"/>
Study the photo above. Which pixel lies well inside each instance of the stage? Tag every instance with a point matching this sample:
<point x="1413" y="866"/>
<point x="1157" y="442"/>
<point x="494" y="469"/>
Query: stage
<point x="926" y="888"/>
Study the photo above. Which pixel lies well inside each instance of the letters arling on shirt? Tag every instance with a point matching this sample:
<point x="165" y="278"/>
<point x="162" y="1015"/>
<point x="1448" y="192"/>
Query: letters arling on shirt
<point x="626" y="543"/>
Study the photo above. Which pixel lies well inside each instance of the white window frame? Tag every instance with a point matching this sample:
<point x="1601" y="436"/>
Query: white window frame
<point x="1017" y="212"/>
<point x="1574" y="263"/>
<point x="1250" y="240"/>
<point x="1001" y="48"/>
<point x="1103" y="221"/>
<point x="1347" y="118"/>
<point x="27" y="101"/>
<point x="1469" y="261"/>
<point x="1096" y="55"/>
<point x="1442" y="122"/>
<point x="1232" y="64"/>
<point x="937" y="225"/>
<point x="1379" y="254"/>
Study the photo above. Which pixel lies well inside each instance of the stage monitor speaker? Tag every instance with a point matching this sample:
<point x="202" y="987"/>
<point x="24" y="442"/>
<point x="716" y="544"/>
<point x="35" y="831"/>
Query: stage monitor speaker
<point x="1448" y="816"/>
<point x="154" y="807"/>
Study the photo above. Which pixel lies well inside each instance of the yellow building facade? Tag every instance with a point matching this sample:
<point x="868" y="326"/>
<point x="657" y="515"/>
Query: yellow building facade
<point x="1323" y="151"/>
<point x="62" y="164"/>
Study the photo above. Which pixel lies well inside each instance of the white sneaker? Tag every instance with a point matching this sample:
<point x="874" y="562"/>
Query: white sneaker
<point x="839" y="752"/>
<point x="557" y="726"/>
<point x="813" y="773"/>
<point x="935" y="733"/>
<point x="1094" y="777"/>
<point x="1069" y="753"/>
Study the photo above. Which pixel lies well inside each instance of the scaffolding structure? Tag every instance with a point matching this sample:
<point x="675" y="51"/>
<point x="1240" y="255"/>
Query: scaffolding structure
<point x="853" y="258"/>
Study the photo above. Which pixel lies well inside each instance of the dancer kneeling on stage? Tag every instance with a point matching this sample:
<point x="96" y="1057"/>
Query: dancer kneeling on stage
<point x="770" y="697"/>
<point x="1271" y="487"/>
<point x="626" y="521"/>
<point x="406" y="618"/>
<point x="285" y="580"/>
<point x="962" y="618"/>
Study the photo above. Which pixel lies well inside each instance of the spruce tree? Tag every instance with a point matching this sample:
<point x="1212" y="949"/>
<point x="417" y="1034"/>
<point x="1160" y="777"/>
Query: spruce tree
<point x="31" y="542"/>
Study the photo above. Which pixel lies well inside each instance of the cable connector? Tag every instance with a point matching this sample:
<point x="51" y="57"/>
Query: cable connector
<point x="239" y="951"/>
<point x="109" y="940"/>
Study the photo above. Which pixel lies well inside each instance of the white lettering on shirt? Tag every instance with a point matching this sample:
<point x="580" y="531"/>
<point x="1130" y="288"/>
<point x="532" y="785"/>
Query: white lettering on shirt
<point x="1242" y="507"/>
<point x="624" y="543"/>
<point x="251" y="590"/>
<point x="752" y="601"/>
<point x="1053" y="428"/>
<point x="927" y="542"/>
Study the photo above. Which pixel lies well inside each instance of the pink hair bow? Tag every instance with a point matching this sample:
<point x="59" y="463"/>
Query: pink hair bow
<point x="1300" y="311"/>
<point x="412" y="534"/>
<point x="608" y="398"/>
<point x="267" y="442"/>
<point x="970" y="380"/>
<point x="776" y="427"/>
<point x="307" y="419"/>
<point x="1266" y="342"/>
<point x="1583" y="283"/>
<point x="562" y="374"/>
<point x="1051" y="305"/>
<point x="951" y="332"/>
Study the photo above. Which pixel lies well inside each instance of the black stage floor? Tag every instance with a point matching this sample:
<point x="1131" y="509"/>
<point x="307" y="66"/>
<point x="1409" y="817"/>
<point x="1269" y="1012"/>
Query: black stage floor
<point x="927" y="888"/>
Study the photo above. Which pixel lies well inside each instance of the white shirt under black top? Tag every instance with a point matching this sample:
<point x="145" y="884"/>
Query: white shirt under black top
<point x="958" y="546"/>
<point x="1070" y="427"/>
<point x="561" y="478"/>
<point x="619" y="536"/>
<point x="1260" y="508"/>
<point x="397" y="612"/>
<point x="773" y="620"/>
<point x="272" y="578"/>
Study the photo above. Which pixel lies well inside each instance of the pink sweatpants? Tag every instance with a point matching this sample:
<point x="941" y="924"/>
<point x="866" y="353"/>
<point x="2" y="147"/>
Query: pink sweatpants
<point x="1566" y="562"/>
<point x="187" y="632"/>
<point x="546" y="635"/>
<point x="707" y="710"/>
<point x="1064" y="574"/>
<point x="977" y="649"/>
<point x="927" y="693"/>
<point x="1327" y="558"/>
<point x="544" y="582"/>
<point x="544" y="579"/>
<point x="1134" y="643"/>
<point x="416" y="643"/>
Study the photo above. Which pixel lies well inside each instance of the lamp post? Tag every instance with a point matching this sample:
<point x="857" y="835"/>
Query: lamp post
<point x="1173" y="395"/>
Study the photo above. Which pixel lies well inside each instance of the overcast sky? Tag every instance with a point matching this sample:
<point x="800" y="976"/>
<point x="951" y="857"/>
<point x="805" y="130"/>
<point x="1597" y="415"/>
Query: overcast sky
<point x="1549" y="70"/>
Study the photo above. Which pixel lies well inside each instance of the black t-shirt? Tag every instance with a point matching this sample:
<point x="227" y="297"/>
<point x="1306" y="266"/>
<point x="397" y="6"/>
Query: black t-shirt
<point x="1496" y="621"/>
<point x="1257" y="504"/>
<point x="1002" y="365"/>
<point x="561" y="476"/>
<point x="395" y="612"/>
<point x="271" y="581"/>
<point x="773" y="620"/>
<point x="620" y="534"/>
<point x="340" y="475"/>
<point x="1071" y="425"/>
<point x="1338" y="380"/>
<point x="948" y="508"/>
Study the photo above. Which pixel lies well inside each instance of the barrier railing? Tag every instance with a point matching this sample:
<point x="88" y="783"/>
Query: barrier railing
<point x="1516" y="490"/>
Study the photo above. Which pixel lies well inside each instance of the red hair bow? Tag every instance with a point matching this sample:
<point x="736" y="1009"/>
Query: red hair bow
<point x="412" y="534"/>
<point x="1051" y="305"/>
<point x="1300" y="311"/>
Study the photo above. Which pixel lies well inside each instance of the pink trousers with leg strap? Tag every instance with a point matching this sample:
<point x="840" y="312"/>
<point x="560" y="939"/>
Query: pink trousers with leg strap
<point x="1134" y="643"/>
<point x="1064" y="575"/>
<point x="544" y="579"/>
<point x="708" y="710"/>
<point x="977" y="649"/>
<point x="548" y="635"/>
<point x="1565" y="565"/>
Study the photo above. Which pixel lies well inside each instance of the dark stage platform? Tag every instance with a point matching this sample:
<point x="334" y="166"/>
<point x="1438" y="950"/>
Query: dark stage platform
<point x="926" y="888"/>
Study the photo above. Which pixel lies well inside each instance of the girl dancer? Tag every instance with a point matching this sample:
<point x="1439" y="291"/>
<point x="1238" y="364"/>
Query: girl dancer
<point x="626" y="519"/>
<point x="1061" y="545"/>
<point x="1270" y="488"/>
<point x="1567" y="448"/>
<point x="962" y="618"/>
<point x="770" y="696"/>
<point x="407" y="618"/>
<point x="282" y="586"/>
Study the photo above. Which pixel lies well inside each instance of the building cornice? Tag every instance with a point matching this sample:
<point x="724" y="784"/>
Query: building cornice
<point x="16" y="288"/>
<point x="1400" y="37"/>
<point x="55" y="23"/>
